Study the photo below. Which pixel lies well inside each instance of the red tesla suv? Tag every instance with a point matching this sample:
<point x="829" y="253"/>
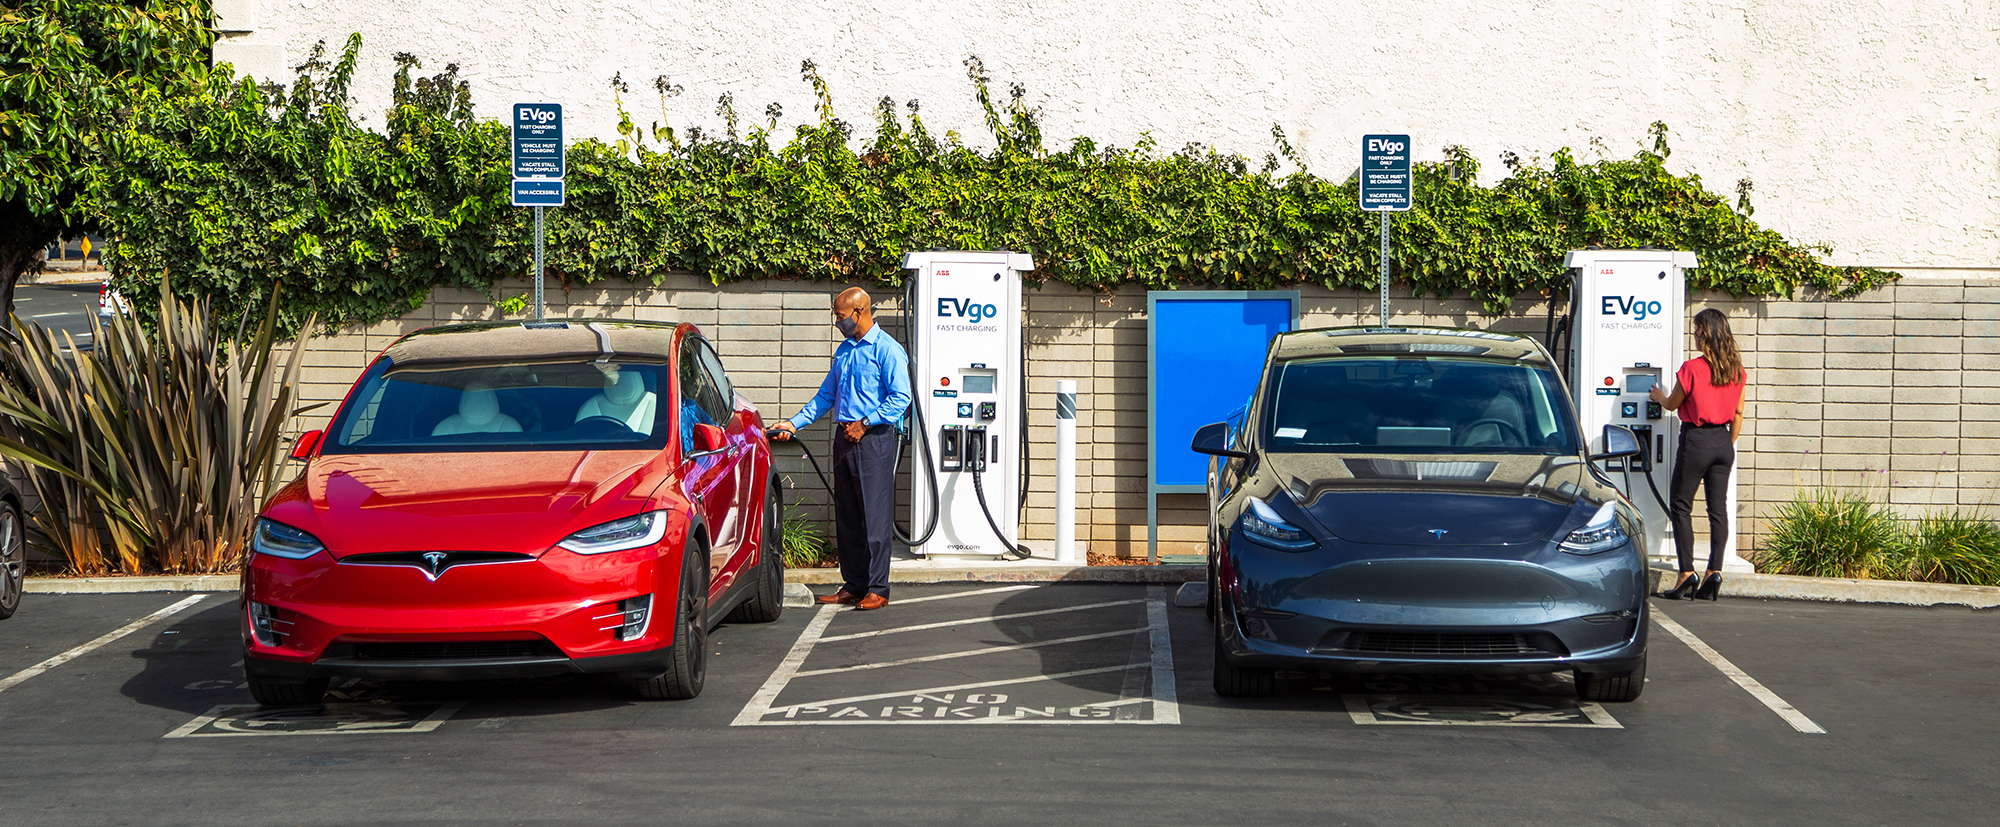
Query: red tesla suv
<point x="515" y="500"/>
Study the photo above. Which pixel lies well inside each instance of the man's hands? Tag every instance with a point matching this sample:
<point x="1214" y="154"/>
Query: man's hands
<point x="784" y="432"/>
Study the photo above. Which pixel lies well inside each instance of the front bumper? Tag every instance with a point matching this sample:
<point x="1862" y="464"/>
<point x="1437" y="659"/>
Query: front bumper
<point x="550" y="615"/>
<point x="1389" y="609"/>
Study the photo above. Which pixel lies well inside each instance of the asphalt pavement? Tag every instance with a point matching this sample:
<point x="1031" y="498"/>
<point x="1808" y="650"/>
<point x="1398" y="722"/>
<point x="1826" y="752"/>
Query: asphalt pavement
<point x="63" y="308"/>
<point x="1015" y="704"/>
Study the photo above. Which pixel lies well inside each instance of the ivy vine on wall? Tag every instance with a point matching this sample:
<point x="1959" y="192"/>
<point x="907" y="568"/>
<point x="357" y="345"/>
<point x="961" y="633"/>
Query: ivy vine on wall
<point x="231" y="188"/>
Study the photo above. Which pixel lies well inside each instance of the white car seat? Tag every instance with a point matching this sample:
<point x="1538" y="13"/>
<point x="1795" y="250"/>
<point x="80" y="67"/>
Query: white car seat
<point x="626" y="400"/>
<point x="478" y="413"/>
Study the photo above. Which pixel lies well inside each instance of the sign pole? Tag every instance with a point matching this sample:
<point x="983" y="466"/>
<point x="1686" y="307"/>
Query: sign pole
<point x="1386" y="186"/>
<point x="538" y="262"/>
<point x="1385" y="266"/>
<point x="539" y="165"/>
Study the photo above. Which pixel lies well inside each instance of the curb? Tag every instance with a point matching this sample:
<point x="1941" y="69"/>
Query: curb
<point x="1843" y="590"/>
<point x="54" y="277"/>
<point x="134" y="585"/>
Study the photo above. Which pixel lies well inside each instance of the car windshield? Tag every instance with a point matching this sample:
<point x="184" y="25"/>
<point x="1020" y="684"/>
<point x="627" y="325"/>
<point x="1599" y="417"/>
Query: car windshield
<point x="1416" y="405"/>
<point x="511" y="407"/>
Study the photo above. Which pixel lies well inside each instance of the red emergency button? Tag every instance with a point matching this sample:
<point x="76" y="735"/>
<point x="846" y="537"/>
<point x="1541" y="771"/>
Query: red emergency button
<point x="1608" y="381"/>
<point x="945" y="381"/>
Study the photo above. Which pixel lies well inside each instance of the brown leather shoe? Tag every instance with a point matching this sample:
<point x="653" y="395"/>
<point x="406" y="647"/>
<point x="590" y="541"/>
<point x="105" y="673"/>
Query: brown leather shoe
<point x="872" y="602"/>
<point x="841" y="597"/>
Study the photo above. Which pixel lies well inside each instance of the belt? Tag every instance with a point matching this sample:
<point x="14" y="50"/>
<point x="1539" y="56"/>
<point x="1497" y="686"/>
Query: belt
<point x="1701" y="425"/>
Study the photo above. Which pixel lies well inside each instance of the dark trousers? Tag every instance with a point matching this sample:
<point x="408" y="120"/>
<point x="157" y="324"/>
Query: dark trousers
<point x="1704" y="459"/>
<point x="864" y="496"/>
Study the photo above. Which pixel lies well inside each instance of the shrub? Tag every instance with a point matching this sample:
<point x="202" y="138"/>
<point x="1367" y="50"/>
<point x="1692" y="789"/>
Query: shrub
<point x="802" y="544"/>
<point x="1953" y="547"/>
<point x="1827" y="533"/>
<point x="154" y="451"/>
<point x="234" y="190"/>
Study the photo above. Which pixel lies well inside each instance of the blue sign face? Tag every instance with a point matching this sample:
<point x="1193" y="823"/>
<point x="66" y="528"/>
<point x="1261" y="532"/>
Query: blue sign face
<point x="538" y="192"/>
<point x="538" y="140"/>
<point x="1385" y="173"/>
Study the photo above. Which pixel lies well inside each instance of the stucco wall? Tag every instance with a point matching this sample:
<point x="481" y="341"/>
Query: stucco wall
<point x="1895" y="393"/>
<point x="1872" y="127"/>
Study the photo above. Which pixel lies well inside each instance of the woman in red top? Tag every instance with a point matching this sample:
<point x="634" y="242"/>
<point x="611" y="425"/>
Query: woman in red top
<point x="1708" y="394"/>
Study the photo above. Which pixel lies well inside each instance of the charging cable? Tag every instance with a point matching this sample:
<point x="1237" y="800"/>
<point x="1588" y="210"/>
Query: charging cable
<point x="1020" y="552"/>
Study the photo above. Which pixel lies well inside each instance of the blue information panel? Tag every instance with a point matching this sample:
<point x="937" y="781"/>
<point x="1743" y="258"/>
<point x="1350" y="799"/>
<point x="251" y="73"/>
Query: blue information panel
<point x="1385" y="173"/>
<point x="538" y="192"/>
<point x="538" y="140"/>
<point x="1206" y="353"/>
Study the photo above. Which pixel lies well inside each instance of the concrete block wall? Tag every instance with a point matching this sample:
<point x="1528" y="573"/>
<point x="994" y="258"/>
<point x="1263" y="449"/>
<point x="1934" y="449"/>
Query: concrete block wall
<point x="1893" y="393"/>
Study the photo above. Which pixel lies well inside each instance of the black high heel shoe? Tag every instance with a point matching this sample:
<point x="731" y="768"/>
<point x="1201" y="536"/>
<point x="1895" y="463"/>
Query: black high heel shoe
<point x="1690" y="582"/>
<point x="1711" y="587"/>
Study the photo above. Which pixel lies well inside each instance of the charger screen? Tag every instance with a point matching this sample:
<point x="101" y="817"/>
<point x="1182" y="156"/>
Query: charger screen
<point x="976" y="383"/>
<point x="1639" y="383"/>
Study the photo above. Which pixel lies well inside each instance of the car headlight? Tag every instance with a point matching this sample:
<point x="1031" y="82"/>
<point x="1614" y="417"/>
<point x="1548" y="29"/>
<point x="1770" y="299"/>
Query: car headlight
<point x="280" y="540"/>
<point x="1262" y="524"/>
<point x="1602" y="533"/>
<point x="618" y="535"/>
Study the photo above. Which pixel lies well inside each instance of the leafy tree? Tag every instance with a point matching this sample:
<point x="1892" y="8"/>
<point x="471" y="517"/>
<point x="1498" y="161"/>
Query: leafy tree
<point x="235" y="191"/>
<point x="69" y="71"/>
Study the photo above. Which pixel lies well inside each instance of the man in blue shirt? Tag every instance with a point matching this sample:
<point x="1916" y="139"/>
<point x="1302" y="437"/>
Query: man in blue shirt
<point x="868" y="390"/>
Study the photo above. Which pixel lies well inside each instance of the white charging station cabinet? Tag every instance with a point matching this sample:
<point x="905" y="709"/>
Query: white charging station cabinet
<point x="966" y="333"/>
<point x="1630" y="336"/>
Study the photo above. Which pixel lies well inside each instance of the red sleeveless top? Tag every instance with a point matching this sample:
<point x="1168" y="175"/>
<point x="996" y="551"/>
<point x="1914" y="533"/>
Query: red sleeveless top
<point x="1707" y="404"/>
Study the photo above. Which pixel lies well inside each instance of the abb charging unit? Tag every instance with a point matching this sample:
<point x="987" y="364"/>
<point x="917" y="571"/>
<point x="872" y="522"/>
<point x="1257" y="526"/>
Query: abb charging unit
<point x="965" y="311"/>
<point x="1630" y="335"/>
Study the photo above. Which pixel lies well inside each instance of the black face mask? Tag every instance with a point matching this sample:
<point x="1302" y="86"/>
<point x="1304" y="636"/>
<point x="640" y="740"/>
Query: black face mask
<point x="847" y="326"/>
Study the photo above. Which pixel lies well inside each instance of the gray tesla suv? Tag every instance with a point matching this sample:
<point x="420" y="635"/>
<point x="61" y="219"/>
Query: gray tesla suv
<point x="1419" y="500"/>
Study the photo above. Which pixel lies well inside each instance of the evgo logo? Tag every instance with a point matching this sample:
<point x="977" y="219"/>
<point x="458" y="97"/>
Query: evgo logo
<point x="1632" y="306"/>
<point x="948" y="307"/>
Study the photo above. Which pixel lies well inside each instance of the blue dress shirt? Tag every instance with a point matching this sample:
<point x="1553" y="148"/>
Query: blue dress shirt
<point x="870" y="380"/>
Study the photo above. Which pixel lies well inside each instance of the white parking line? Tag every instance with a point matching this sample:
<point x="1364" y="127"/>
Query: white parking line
<point x="948" y="623"/>
<point x="965" y="594"/>
<point x="1791" y="714"/>
<point x="760" y="703"/>
<point x="968" y="653"/>
<point x="945" y="705"/>
<point x="108" y="637"/>
<point x="1166" y="699"/>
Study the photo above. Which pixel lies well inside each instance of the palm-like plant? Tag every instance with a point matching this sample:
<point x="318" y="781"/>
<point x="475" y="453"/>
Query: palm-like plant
<point x="154" y="450"/>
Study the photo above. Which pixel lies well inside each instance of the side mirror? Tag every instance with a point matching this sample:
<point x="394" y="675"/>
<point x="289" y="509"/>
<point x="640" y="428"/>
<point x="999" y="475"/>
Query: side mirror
<point x="1213" y="439"/>
<point x="306" y="444"/>
<point x="709" y="438"/>
<point x="1618" y="442"/>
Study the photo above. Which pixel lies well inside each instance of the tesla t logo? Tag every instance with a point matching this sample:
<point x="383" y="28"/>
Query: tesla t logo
<point x="1439" y="533"/>
<point x="434" y="563"/>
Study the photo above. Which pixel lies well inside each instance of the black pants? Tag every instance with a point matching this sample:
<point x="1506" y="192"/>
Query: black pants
<point x="1704" y="459"/>
<point x="864" y="496"/>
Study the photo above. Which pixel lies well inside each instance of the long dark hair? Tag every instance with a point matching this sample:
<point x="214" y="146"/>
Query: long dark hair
<point x="1712" y="338"/>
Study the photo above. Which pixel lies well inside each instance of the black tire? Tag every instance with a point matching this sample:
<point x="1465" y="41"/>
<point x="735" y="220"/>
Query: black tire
<point x="13" y="558"/>
<point x="687" y="661"/>
<point x="767" y="596"/>
<point x="309" y="692"/>
<point x="1232" y="681"/>
<point x="1612" y="687"/>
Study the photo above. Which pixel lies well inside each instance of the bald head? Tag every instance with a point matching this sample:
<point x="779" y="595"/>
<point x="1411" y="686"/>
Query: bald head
<point x="853" y="305"/>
